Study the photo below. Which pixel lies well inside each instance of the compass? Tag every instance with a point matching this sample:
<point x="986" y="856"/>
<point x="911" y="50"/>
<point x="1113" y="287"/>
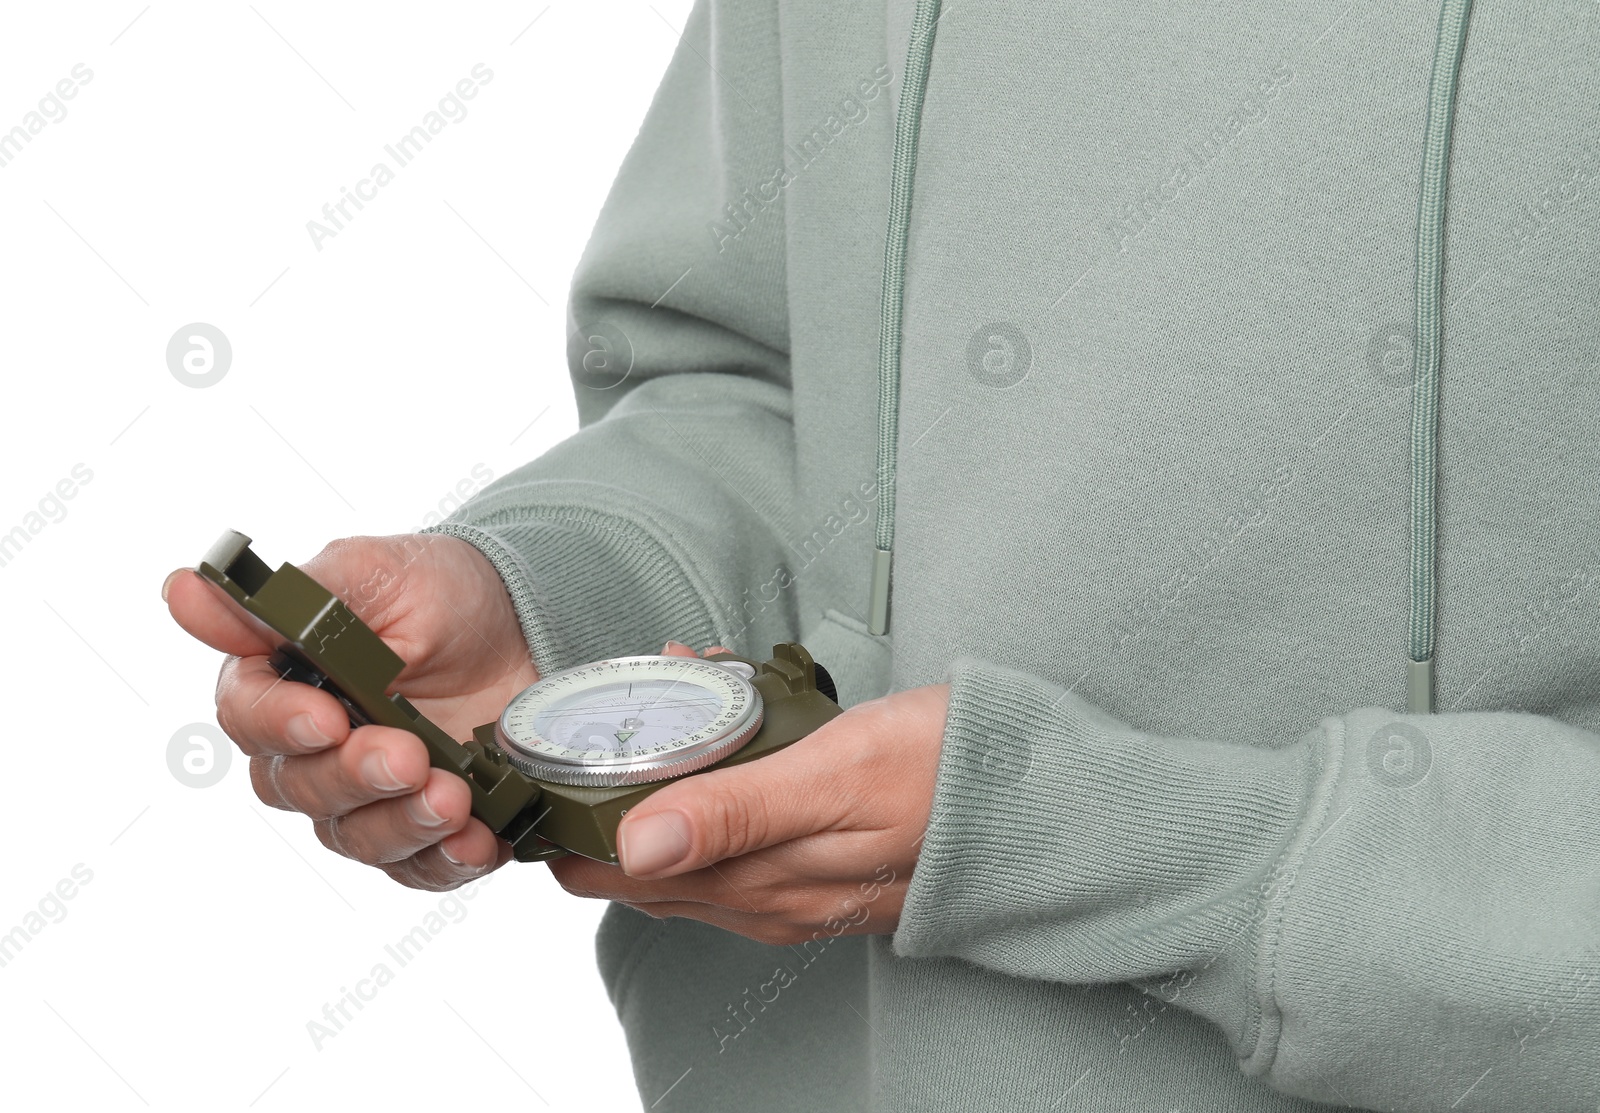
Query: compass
<point x="571" y="753"/>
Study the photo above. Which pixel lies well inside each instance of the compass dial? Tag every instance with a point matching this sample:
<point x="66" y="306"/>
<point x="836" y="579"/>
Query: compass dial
<point x="630" y="720"/>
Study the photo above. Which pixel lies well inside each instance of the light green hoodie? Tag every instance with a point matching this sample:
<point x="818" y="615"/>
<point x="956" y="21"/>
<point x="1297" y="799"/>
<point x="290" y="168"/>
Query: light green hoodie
<point x="1142" y="297"/>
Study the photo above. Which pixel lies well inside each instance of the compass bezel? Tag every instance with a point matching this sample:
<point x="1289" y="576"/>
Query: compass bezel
<point x="736" y="722"/>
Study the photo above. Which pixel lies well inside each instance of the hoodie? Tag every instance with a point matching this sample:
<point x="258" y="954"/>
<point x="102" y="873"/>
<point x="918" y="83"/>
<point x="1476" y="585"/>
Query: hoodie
<point x="1206" y="393"/>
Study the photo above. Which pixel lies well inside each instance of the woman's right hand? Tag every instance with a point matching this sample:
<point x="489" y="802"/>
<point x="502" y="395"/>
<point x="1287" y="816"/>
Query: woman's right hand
<point x="437" y="602"/>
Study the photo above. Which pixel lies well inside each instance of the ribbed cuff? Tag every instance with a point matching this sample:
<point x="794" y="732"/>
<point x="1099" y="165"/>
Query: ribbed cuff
<point x="1065" y="845"/>
<point x="588" y="586"/>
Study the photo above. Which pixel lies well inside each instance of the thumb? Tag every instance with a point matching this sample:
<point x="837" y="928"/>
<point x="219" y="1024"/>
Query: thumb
<point x="206" y="612"/>
<point x="202" y="609"/>
<point x="705" y="818"/>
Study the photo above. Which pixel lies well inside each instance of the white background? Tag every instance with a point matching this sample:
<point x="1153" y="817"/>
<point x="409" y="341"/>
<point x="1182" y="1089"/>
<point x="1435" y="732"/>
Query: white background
<point x="367" y="380"/>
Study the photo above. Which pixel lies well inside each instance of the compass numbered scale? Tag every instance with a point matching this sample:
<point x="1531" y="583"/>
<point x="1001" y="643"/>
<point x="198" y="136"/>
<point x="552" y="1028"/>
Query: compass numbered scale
<point x="570" y="754"/>
<point x="630" y="720"/>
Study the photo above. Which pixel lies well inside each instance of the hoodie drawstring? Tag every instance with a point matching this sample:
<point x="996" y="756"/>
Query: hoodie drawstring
<point x="1453" y="18"/>
<point x="907" y="126"/>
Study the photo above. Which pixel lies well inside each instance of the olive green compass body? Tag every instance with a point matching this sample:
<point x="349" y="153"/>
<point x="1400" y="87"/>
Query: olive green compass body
<point x="571" y="753"/>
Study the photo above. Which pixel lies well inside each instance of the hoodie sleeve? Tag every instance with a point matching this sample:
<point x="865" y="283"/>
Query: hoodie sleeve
<point x="1391" y="911"/>
<point x="664" y="515"/>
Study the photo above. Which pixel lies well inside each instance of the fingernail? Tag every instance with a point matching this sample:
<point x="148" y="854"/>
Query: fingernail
<point x="421" y="811"/>
<point x="375" y="768"/>
<point x="651" y="843"/>
<point x="304" y="732"/>
<point x="167" y="583"/>
<point x="670" y="646"/>
<point x="458" y="863"/>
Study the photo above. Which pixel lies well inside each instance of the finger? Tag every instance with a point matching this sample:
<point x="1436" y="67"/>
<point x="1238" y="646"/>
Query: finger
<point x="774" y="930"/>
<point x="207" y="613"/>
<point x="584" y="877"/>
<point x="374" y="763"/>
<point x="368" y="573"/>
<point x="821" y="857"/>
<point x="853" y="859"/>
<point x="266" y="714"/>
<point x="395" y="829"/>
<point x="678" y="649"/>
<point x="727" y="812"/>
<point x="264" y="772"/>
<point x="466" y="855"/>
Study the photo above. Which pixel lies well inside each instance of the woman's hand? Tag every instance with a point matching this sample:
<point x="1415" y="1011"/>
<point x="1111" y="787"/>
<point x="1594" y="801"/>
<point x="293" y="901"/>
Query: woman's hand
<point x="438" y="603"/>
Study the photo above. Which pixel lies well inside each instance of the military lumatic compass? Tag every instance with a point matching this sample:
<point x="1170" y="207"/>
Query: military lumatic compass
<point x="571" y="753"/>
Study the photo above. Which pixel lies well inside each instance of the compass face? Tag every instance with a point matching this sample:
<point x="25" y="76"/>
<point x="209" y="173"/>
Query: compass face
<point x="630" y="720"/>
